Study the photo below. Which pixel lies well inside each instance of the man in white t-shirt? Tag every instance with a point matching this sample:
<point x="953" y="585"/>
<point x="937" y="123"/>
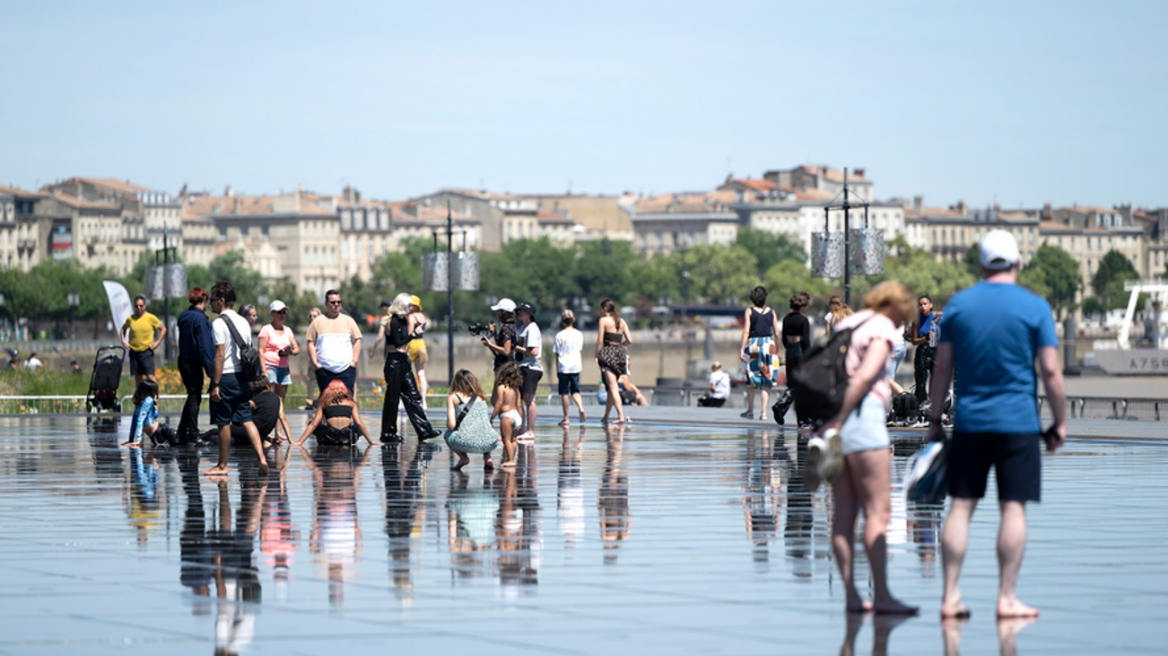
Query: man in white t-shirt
<point x="334" y="344"/>
<point x="719" y="388"/>
<point x="527" y="354"/>
<point x="230" y="393"/>
<point x="569" y="364"/>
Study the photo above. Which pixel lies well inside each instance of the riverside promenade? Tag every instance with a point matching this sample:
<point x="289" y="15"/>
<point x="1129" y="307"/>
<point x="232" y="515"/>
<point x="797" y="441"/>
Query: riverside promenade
<point x="689" y="531"/>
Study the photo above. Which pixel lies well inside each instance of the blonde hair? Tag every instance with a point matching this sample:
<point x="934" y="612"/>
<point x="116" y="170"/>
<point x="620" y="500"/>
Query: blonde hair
<point x="893" y="294"/>
<point x="400" y="305"/>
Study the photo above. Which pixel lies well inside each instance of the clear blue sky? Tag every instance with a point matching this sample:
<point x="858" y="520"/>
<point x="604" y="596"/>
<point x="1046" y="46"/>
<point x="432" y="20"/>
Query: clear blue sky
<point x="1025" y="102"/>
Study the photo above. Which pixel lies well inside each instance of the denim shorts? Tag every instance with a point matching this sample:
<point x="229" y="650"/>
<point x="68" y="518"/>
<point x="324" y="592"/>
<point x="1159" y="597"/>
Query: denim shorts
<point x="280" y="375"/>
<point x="868" y="429"/>
<point x="569" y="384"/>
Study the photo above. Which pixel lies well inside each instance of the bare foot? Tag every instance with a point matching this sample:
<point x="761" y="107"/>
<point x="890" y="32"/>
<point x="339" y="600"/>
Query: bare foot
<point x="564" y="423"/>
<point x="1015" y="608"/>
<point x="954" y="609"/>
<point x="951" y="633"/>
<point x="1008" y="629"/>
<point x="216" y="471"/>
<point x="488" y="465"/>
<point x="893" y="606"/>
<point x="862" y="607"/>
<point x="263" y="470"/>
<point x="132" y="444"/>
<point x="582" y="418"/>
<point x="460" y="464"/>
<point x="510" y="464"/>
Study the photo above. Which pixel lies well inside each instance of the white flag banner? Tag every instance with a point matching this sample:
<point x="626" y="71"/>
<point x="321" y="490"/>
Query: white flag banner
<point x="120" y="306"/>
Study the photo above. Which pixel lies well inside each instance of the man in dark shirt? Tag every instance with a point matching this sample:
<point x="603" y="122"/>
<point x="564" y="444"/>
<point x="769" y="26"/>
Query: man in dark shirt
<point x="196" y="356"/>
<point x="796" y="340"/>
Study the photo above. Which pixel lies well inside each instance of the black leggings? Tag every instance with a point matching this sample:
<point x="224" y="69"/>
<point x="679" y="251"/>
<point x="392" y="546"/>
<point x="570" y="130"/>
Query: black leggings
<point x="794" y="359"/>
<point x="923" y="361"/>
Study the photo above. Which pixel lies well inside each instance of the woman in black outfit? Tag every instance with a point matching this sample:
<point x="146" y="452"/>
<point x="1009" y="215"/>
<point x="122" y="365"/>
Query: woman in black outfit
<point x="796" y="339"/>
<point x="399" y="374"/>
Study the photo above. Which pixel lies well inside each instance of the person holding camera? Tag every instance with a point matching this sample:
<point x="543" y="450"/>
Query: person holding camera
<point x="503" y="333"/>
<point x="399" y="376"/>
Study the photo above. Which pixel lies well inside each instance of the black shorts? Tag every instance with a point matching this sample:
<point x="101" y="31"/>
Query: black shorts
<point x="1016" y="459"/>
<point x="142" y="363"/>
<point x="232" y="408"/>
<point x="569" y="384"/>
<point x="530" y="381"/>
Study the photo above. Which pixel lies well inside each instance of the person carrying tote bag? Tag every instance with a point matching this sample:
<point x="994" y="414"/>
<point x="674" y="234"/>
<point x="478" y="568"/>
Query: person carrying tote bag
<point x="468" y="421"/>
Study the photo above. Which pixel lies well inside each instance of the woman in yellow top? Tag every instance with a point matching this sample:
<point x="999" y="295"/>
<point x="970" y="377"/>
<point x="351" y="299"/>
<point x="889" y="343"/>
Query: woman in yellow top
<point x="417" y="347"/>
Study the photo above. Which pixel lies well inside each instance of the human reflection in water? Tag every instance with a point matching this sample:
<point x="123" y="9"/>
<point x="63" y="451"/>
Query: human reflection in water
<point x="761" y="501"/>
<point x="103" y="444"/>
<point x="143" y="499"/>
<point x="402" y="493"/>
<point x="923" y="521"/>
<point x="336" y="532"/>
<point x="613" y="497"/>
<point x="798" y="530"/>
<point x="518" y="525"/>
<point x="1008" y="628"/>
<point x="882" y="626"/>
<point x="470" y="516"/>
<point x="237" y="582"/>
<point x="194" y="541"/>
<point x="278" y="537"/>
<point x="570" y="490"/>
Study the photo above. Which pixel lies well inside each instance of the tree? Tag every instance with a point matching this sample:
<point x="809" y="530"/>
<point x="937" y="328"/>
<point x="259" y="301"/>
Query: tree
<point x="531" y="270"/>
<point x="1053" y="274"/>
<point x="769" y="248"/>
<point x="232" y="266"/>
<point x="717" y="274"/>
<point x="604" y="269"/>
<point x="1114" y="270"/>
<point x="972" y="260"/>
<point x="789" y="276"/>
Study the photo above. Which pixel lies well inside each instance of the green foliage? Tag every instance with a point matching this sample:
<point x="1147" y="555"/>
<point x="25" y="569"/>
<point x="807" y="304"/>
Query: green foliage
<point x="717" y="274"/>
<point x="971" y="260"/>
<point x="769" y="249"/>
<point x="1053" y="274"/>
<point x="605" y="269"/>
<point x="20" y="382"/>
<point x="43" y="292"/>
<point x="529" y="270"/>
<point x="1114" y="270"/>
<point x="789" y="276"/>
<point x="232" y="266"/>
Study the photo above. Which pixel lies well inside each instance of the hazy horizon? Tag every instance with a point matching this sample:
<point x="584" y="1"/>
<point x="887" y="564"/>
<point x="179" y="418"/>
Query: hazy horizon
<point x="1015" y="104"/>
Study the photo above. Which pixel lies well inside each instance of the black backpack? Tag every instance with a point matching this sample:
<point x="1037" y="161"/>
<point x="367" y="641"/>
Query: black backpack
<point x="249" y="357"/>
<point x="819" y="382"/>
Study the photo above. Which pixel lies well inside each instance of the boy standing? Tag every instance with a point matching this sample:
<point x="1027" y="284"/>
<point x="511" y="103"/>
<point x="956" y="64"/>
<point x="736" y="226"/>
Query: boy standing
<point x="569" y="345"/>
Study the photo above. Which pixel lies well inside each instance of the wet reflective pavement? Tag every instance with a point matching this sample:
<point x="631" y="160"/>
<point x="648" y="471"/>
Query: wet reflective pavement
<point x="652" y="539"/>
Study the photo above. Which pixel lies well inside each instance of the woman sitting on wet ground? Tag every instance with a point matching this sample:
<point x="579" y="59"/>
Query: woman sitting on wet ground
<point x="508" y="383"/>
<point x="472" y="433"/>
<point x="267" y="413"/>
<point x="337" y="420"/>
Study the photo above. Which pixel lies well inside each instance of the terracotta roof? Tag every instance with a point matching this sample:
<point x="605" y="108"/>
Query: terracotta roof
<point x="80" y="203"/>
<point x="688" y="203"/>
<point x="17" y="191"/>
<point x="548" y="216"/>
<point x="123" y="186"/>
<point x="593" y="212"/>
<point x="199" y="207"/>
<point x="754" y="184"/>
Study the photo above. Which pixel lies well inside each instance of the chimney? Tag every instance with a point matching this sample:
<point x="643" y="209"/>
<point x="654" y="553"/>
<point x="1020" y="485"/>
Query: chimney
<point x="859" y="173"/>
<point x="228" y="191"/>
<point x="918" y="204"/>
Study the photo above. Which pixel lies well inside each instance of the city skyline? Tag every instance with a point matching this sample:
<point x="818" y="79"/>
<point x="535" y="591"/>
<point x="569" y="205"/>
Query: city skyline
<point x="1019" y="105"/>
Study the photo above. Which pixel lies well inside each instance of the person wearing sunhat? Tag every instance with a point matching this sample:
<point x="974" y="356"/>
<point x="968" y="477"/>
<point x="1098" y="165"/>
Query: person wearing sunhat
<point x="277" y="342"/>
<point x="528" y="350"/>
<point x="417" y="348"/>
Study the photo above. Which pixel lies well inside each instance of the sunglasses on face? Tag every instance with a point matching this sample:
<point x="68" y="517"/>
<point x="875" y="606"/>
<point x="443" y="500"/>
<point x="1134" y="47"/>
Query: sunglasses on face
<point x="334" y="302"/>
<point x="279" y="312"/>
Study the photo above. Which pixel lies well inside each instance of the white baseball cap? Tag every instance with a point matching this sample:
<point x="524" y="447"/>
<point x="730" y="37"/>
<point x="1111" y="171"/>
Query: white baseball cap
<point x="276" y="306"/>
<point x="998" y="251"/>
<point x="505" y="304"/>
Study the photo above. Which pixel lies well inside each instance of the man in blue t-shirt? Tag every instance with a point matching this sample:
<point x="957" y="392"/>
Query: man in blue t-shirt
<point x="994" y="332"/>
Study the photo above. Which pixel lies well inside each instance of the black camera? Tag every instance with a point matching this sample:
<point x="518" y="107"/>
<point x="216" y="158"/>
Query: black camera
<point x="479" y="329"/>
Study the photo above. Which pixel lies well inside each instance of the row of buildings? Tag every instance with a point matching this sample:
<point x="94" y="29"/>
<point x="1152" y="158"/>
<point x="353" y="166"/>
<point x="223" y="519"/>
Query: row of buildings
<point x="317" y="240"/>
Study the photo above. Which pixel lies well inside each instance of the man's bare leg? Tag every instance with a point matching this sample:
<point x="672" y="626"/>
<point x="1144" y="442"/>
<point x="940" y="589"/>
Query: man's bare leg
<point x="1011" y="549"/>
<point x="954" y="541"/>
<point x="220" y="469"/>
<point x="564" y="403"/>
<point x="579" y="405"/>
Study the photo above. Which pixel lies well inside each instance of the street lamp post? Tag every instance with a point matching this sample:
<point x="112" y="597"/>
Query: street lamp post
<point x="74" y="301"/>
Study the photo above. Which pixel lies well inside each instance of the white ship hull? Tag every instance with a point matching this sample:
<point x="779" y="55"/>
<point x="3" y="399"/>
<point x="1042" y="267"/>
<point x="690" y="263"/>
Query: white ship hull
<point x="1134" y="362"/>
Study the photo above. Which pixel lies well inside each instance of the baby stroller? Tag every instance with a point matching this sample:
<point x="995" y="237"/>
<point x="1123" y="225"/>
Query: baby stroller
<point x="103" y="386"/>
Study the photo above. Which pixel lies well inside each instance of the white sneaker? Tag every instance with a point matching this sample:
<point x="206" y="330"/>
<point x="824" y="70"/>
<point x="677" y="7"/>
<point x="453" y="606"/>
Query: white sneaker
<point x="833" y="464"/>
<point x="813" y="471"/>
